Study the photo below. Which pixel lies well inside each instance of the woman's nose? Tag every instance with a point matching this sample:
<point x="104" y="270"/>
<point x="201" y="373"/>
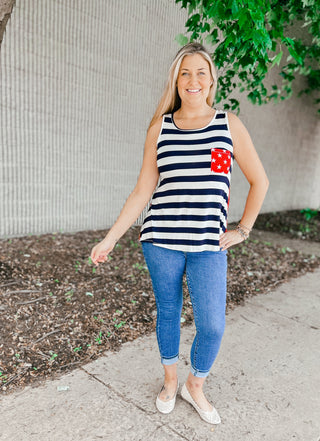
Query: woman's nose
<point x="193" y="79"/>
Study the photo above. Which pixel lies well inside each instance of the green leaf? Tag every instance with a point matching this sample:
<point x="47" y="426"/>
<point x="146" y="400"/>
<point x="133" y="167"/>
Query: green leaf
<point x="246" y="36"/>
<point x="277" y="59"/>
<point x="289" y="41"/>
<point x="235" y="8"/>
<point x="295" y="55"/>
<point x="181" y="39"/>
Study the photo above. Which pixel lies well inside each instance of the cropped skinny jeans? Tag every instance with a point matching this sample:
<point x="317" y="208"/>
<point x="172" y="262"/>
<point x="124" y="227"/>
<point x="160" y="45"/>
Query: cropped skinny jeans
<point x="206" y="278"/>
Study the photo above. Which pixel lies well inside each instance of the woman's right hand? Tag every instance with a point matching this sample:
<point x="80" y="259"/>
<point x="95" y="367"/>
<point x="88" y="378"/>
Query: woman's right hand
<point x="100" y="252"/>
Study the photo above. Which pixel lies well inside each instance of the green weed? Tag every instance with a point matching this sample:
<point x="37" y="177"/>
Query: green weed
<point x="3" y="377"/>
<point x="304" y="228"/>
<point x="309" y="213"/>
<point x="98" y="339"/>
<point x="69" y="295"/>
<point x="140" y="266"/>
<point x="119" y="325"/>
<point x="77" y="265"/>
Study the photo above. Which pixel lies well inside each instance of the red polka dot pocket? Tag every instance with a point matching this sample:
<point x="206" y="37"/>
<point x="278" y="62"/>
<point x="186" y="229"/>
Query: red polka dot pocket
<point x="220" y="161"/>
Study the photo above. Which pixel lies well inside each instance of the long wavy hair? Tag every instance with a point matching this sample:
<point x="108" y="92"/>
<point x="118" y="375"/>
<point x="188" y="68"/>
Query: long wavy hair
<point x="170" y="101"/>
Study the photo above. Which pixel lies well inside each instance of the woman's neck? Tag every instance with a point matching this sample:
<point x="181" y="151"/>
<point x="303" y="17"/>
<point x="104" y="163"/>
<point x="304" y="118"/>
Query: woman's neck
<point x="191" y="112"/>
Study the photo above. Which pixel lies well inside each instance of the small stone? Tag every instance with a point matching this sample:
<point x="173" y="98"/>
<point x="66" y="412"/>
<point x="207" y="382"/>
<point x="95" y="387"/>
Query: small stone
<point x="63" y="388"/>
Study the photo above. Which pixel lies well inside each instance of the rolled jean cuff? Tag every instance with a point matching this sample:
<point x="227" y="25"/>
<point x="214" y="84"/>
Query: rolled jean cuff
<point x="197" y="373"/>
<point x="169" y="361"/>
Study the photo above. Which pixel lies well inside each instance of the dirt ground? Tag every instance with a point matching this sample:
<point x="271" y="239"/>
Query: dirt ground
<point x="292" y="223"/>
<point x="58" y="311"/>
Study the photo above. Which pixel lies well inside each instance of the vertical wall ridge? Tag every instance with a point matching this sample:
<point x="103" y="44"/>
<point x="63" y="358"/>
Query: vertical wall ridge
<point x="77" y="81"/>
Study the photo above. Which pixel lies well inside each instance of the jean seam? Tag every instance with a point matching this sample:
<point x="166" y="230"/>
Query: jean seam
<point x="158" y="324"/>
<point x="195" y="317"/>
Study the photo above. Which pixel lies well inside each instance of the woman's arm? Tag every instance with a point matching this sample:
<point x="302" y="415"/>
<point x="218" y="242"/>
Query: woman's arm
<point x="251" y="166"/>
<point x="138" y="199"/>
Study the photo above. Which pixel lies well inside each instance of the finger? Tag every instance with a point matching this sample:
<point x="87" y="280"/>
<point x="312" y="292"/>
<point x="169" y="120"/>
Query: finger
<point x="94" y="261"/>
<point x="102" y="257"/>
<point x="225" y="246"/>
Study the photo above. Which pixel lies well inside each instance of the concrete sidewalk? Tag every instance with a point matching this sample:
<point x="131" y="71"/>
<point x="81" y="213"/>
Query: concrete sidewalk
<point x="264" y="383"/>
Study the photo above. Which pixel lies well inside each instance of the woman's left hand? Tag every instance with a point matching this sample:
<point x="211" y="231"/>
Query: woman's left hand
<point x="229" y="238"/>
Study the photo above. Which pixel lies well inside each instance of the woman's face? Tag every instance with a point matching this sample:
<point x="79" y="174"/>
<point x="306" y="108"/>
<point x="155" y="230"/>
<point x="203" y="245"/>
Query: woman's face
<point x="194" y="79"/>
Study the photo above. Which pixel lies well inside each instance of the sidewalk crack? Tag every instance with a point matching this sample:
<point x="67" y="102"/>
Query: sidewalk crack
<point x="286" y="316"/>
<point x="251" y="321"/>
<point x="177" y="433"/>
<point x="119" y="394"/>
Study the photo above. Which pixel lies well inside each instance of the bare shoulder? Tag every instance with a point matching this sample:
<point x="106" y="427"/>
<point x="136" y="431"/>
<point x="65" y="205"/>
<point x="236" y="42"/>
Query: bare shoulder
<point x="239" y="132"/>
<point x="236" y="125"/>
<point x="152" y="136"/>
<point x="154" y="129"/>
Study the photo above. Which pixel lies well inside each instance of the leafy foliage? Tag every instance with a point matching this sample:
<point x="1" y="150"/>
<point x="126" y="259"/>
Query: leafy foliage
<point x="309" y="213"/>
<point x="252" y="37"/>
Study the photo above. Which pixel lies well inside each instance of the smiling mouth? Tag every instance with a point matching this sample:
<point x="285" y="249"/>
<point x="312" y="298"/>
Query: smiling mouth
<point x="193" y="90"/>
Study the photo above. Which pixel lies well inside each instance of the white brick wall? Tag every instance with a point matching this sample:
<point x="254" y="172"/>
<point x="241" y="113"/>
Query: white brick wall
<point x="79" y="83"/>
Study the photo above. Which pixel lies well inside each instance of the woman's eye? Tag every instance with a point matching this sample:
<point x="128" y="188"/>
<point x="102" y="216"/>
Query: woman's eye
<point x="201" y="73"/>
<point x="184" y="74"/>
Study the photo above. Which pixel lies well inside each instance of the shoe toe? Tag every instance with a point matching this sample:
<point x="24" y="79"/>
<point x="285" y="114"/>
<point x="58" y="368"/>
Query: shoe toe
<point x="211" y="417"/>
<point x="165" y="406"/>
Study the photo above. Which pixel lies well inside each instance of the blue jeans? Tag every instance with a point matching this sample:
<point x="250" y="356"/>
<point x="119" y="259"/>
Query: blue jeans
<point x="206" y="274"/>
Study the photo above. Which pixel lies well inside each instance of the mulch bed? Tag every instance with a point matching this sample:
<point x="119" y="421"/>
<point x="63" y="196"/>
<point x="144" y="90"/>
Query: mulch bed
<point x="58" y="311"/>
<point x="292" y="223"/>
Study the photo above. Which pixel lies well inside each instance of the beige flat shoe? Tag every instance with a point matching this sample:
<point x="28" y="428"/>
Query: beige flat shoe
<point x="211" y="417"/>
<point x="166" y="406"/>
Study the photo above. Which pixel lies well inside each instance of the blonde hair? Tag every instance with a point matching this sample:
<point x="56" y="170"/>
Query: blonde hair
<point x="170" y="101"/>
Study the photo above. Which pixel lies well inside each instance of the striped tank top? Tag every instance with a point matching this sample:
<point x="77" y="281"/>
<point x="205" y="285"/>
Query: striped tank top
<point x="188" y="210"/>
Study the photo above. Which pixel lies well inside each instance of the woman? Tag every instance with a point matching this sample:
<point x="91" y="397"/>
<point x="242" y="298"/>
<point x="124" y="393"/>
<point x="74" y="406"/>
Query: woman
<point x="191" y="147"/>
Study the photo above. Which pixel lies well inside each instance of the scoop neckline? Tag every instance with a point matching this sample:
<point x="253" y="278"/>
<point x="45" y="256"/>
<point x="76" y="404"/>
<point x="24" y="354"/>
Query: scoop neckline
<point x="190" y="130"/>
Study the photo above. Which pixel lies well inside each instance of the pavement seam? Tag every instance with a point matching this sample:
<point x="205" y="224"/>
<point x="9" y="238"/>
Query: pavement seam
<point x="251" y="321"/>
<point x="123" y="397"/>
<point x="280" y="314"/>
<point x="172" y="430"/>
<point x="292" y="318"/>
<point x="177" y="433"/>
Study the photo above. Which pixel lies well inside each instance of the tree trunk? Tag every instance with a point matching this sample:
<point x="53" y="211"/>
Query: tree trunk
<point x="6" y="7"/>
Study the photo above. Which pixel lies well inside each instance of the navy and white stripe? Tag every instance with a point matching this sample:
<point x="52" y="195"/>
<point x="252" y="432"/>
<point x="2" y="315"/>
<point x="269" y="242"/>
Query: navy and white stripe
<point x="189" y="209"/>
